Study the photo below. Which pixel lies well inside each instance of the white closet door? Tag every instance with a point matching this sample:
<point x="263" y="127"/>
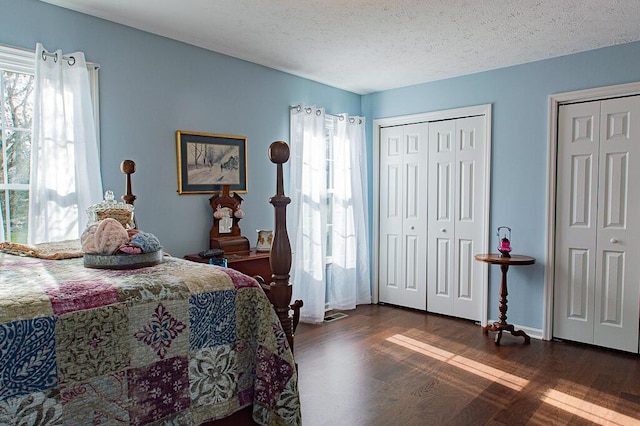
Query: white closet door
<point x="576" y="221"/>
<point x="596" y="286"/>
<point x="403" y="248"/>
<point x="391" y="189"/>
<point x="470" y="216"/>
<point x="617" y="290"/>
<point x="456" y="216"/>
<point x="441" y="211"/>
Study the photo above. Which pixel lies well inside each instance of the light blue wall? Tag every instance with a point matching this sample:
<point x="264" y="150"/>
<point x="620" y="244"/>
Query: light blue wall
<point x="150" y="87"/>
<point x="519" y="96"/>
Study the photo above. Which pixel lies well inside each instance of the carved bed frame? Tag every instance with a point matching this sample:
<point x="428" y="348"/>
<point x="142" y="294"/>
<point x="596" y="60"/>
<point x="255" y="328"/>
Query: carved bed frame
<point x="278" y="289"/>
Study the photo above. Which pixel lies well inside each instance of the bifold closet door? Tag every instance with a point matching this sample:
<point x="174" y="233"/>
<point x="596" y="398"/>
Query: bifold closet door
<point x="456" y="216"/>
<point x="403" y="221"/>
<point x="597" y="265"/>
<point x="576" y="221"/>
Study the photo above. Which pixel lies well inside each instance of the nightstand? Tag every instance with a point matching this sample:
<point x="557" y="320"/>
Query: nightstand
<point x="253" y="263"/>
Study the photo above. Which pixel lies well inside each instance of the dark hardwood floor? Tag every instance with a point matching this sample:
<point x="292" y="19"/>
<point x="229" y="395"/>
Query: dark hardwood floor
<point x="383" y="365"/>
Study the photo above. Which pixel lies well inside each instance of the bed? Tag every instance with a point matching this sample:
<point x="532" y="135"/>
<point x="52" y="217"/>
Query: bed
<point x="177" y="343"/>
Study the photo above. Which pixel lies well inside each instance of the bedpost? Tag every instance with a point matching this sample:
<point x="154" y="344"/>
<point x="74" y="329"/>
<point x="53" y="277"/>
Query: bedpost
<point x="280" y="258"/>
<point x="128" y="167"/>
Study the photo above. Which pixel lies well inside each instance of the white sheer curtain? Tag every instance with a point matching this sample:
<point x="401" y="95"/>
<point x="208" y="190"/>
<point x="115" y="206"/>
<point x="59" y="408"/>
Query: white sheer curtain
<point x="345" y="281"/>
<point x="308" y="217"/>
<point x="349" y="282"/>
<point x="65" y="168"/>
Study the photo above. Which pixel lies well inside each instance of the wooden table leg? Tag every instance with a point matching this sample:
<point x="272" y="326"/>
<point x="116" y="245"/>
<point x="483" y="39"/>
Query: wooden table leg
<point x="502" y="324"/>
<point x="499" y="328"/>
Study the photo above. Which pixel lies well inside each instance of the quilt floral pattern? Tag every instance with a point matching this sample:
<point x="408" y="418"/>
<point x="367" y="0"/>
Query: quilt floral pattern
<point x="177" y="343"/>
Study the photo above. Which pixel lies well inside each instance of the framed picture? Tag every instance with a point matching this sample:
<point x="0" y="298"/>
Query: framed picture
<point x="206" y="162"/>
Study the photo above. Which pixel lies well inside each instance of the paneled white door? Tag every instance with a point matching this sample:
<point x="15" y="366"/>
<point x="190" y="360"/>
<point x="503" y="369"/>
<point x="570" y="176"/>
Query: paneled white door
<point x="456" y="216"/>
<point x="403" y="215"/>
<point x="597" y="267"/>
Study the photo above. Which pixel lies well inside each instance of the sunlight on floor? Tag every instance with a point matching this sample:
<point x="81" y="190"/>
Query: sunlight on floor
<point x="575" y="406"/>
<point x="469" y="365"/>
<point x="592" y="412"/>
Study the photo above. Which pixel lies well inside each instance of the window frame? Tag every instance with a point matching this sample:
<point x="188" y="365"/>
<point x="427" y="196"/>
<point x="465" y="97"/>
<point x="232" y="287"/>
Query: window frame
<point x="330" y="130"/>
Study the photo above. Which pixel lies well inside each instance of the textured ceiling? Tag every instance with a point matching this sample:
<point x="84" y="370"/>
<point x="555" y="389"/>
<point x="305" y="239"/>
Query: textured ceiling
<point x="366" y="46"/>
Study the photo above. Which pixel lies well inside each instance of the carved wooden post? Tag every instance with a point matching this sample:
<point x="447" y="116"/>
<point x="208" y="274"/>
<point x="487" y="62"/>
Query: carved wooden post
<point x="128" y="167"/>
<point x="280" y="259"/>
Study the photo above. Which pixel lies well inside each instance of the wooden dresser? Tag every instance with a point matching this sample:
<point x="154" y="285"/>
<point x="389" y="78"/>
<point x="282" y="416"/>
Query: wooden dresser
<point x="254" y="263"/>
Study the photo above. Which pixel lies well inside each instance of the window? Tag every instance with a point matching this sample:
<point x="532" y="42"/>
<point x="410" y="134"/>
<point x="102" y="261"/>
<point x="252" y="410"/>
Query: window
<point x="329" y="140"/>
<point x="16" y="98"/>
<point x="17" y="68"/>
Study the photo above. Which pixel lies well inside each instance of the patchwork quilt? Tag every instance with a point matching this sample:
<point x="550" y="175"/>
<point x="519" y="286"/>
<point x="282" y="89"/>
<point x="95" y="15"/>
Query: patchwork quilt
<point x="179" y="343"/>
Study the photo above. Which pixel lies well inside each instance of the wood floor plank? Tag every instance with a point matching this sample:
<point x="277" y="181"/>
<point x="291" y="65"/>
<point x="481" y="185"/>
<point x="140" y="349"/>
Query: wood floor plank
<point x="383" y="365"/>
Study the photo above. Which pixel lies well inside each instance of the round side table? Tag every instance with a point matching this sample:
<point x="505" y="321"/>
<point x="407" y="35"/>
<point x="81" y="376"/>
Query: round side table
<point x="504" y="262"/>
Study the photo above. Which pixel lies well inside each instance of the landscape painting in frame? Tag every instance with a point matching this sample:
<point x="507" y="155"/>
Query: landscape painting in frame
<point x="206" y="162"/>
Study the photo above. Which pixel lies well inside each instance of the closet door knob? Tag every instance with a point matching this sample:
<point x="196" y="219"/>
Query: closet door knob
<point x="413" y="227"/>
<point x="613" y="241"/>
<point x="443" y="230"/>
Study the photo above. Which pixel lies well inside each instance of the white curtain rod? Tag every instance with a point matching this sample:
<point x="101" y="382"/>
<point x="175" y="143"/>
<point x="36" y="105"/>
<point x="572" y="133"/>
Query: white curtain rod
<point x="339" y="117"/>
<point x="66" y="58"/>
<point x="70" y="59"/>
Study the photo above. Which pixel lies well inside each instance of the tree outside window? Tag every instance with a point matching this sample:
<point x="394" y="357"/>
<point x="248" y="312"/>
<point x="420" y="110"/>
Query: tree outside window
<point x="16" y="98"/>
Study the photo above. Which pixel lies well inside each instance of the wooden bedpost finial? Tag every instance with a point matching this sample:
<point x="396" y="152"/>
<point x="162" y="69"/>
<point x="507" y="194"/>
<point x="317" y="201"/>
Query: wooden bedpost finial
<point x="128" y="167"/>
<point x="279" y="152"/>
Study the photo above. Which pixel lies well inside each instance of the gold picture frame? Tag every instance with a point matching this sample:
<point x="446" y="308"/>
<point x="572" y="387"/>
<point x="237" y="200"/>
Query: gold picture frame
<point x="207" y="161"/>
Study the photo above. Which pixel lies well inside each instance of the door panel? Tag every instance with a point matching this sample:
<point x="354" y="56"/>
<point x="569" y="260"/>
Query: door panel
<point x="612" y="288"/>
<point x="580" y="190"/>
<point x="403" y="163"/>
<point x="578" y="285"/>
<point x="393" y="185"/>
<point x="465" y="269"/>
<point x="442" y="279"/>
<point x="391" y="215"/>
<point x="414" y="225"/>
<point x="470" y="217"/>
<point x="576" y="216"/>
<point x="618" y="289"/>
<point x="392" y="269"/>
<point x="441" y="211"/>
<point x="466" y="181"/>
<point x="412" y="260"/>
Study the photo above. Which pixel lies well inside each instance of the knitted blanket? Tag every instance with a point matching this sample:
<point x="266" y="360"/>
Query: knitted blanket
<point x="53" y="251"/>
